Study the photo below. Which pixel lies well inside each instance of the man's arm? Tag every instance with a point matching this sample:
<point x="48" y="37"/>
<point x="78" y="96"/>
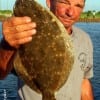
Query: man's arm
<point x="86" y="90"/>
<point x="15" y="31"/>
<point x="6" y="57"/>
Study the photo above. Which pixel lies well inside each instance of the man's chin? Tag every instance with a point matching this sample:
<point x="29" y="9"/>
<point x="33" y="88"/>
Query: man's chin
<point x="66" y="26"/>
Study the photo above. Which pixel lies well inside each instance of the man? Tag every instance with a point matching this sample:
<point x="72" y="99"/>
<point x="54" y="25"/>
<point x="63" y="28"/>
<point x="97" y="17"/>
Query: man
<point x="19" y="30"/>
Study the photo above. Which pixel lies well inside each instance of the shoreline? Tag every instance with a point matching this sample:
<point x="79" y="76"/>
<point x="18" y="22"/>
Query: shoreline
<point x="2" y="18"/>
<point x="89" y="20"/>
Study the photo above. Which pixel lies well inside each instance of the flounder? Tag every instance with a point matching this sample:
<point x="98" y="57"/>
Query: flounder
<point x="45" y="63"/>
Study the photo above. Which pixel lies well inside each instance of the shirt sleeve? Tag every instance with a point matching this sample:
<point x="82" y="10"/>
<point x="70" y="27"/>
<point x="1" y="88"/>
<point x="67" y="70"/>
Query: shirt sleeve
<point x="89" y="72"/>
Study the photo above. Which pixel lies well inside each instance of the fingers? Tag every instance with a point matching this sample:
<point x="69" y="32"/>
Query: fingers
<point x="20" y="35"/>
<point x="21" y="28"/>
<point x="18" y="30"/>
<point x="17" y="43"/>
<point x="17" y="21"/>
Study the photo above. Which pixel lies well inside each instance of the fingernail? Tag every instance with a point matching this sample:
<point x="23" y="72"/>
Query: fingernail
<point x="34" y="31"/>
<point x="28" y="19"/>
<point x="33" y="24"/>
<point x="29" y="38"/>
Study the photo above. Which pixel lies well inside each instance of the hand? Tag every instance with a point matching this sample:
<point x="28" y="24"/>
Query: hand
<point x="18" y="30"/>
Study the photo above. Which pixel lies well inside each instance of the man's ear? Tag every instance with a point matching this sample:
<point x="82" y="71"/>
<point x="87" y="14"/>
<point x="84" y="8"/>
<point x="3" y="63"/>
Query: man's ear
<point x="48" y="3"/>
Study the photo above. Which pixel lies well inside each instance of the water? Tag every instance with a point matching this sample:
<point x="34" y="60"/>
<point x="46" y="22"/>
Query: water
<point x="8" y="86"/>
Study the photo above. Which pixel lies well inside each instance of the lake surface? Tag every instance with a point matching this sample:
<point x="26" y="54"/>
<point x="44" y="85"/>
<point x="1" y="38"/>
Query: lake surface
<point x="8" y="87"/>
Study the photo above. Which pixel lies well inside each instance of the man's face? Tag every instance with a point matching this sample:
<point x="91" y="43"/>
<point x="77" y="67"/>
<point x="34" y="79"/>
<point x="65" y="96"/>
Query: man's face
<point x="67" y="11"/>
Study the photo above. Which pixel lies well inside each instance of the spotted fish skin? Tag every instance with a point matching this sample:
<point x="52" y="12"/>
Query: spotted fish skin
<point x="45" y="63"/>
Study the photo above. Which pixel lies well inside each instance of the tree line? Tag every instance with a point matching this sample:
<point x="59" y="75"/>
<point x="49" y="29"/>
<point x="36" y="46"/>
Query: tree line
<point x="90" y="14"/>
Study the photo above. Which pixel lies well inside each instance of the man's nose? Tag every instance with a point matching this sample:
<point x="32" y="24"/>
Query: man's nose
<point x="70" y="11"/>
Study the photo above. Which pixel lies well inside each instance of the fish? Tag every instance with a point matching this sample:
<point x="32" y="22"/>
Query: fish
<point x="45" y="63"/>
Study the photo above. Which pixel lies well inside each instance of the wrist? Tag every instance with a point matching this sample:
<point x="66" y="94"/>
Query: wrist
<point x="5" y="45"/>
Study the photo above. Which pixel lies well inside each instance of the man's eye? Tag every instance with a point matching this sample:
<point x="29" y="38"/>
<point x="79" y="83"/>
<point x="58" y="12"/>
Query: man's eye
<point x="63" y="2"/>
<point x="80" y="6"/>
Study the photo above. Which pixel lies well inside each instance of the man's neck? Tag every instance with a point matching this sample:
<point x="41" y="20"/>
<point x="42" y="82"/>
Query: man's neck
<point x="69" y="30"/>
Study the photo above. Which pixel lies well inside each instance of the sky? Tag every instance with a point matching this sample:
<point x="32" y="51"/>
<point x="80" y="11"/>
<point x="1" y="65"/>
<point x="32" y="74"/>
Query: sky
<point x="90" y="4"/>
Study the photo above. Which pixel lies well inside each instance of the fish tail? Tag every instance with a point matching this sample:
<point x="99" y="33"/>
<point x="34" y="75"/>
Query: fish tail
<point x="48" y="96"/>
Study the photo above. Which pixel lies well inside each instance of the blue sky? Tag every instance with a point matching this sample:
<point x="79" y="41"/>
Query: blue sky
<point x="90" y="4"/>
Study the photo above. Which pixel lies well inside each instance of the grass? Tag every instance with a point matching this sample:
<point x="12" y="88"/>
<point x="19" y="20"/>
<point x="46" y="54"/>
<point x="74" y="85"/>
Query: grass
<point x="5" y="13"/>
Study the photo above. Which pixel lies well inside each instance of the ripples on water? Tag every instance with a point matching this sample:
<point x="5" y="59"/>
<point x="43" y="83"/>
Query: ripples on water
<point x="8" y="88"/>
<point x="9" y="85"/>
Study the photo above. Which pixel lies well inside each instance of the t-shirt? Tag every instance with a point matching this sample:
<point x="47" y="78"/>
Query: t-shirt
<point x="82" y="68"/>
